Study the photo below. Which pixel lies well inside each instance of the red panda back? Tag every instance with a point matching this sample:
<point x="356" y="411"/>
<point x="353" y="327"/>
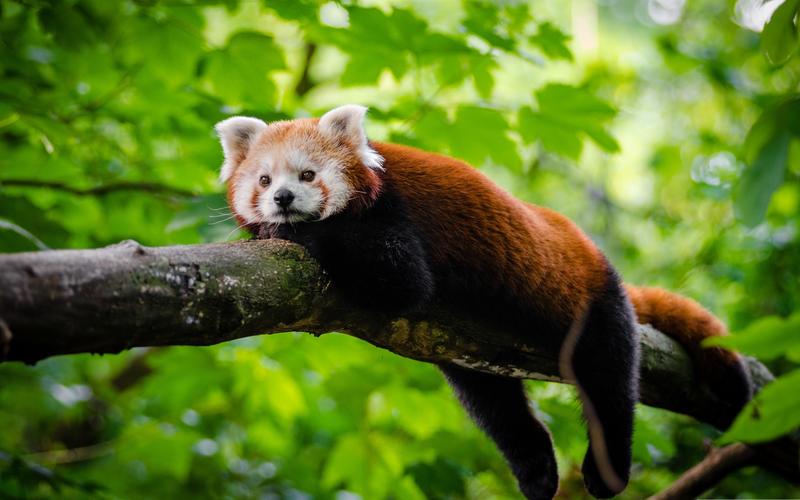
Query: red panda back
<point x="539" y="254"/>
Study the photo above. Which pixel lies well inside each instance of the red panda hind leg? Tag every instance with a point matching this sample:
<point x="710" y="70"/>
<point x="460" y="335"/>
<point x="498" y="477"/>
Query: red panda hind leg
<point x="606" y="364"/>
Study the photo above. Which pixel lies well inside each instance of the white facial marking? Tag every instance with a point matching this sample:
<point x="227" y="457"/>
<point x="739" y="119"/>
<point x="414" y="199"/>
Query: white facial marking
<point x="242" y="201"/>
<point x="281" y="153"/>
<point x="327" y="193"/>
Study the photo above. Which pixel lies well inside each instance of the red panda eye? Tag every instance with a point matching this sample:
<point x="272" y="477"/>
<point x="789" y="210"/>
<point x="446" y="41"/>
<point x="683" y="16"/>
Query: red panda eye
<point x="264" y="180"/>
<point x="307" y="176"/>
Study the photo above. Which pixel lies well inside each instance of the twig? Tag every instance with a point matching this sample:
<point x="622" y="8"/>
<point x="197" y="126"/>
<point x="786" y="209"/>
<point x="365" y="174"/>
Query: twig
<point x="39" y="244"/>
<point x="133" y="372"/>
<point x="304" y="84"/>
<point x="718" y="464"/>
<point x="148" y="187"/>
<point x="72" y="455"/>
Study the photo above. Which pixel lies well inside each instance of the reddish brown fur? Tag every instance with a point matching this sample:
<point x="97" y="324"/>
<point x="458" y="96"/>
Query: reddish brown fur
<point x="688" y="323"/>
<point x="325" y="195"/>
<point x="542" y="256"/>
<point x="444" y="231"/>
<point x="254" y="199"/>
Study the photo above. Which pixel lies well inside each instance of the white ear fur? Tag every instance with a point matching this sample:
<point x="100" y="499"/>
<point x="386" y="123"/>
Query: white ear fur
<point x="236" y="134"/>
<point x="348" y="121"/>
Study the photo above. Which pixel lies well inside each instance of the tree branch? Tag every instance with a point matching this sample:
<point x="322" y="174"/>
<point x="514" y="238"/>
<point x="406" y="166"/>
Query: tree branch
<point x="147" y="187"/>
<point x="126" y="295"/>
<point x="718" y="464"/>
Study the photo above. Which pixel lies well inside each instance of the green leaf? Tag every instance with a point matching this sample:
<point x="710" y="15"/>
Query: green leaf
<point x="481" y="133"/>
<point x="482" y="20"/>
<point x="166" y="451"/>
<point x="419" y="413"/>
<point x="773" y="412"/>
<point x="457" y="65"/>
<point x="762" y="131"/>
<point x="475" y="135"/>
<point x="552" y="41"/>
<point x="783" y="115"/>
<point x="375" y="41"/>
<point x="68" y="24"/>
<point x="566" y="114"/>
<point x="779" y="39"/>
<point x="440" y="478"/>
<point x="482" y="76"/>
<point x="554" y="136"/>
<point x="765" y="338"/>
<point x="296" y="10"/>
<point x="239" y="73"/>
<point x="284" y="401"/>
<point x="761" y="179"/>
<point x="366" y="463"/>
<point x="574" y="105"/>
<point x="407" y="489"/>
<point x="363" y="70"/>
<point x="168" y="46"/>
<point x="651" y="442"/>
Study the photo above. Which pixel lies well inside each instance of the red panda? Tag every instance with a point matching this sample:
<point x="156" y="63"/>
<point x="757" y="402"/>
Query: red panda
<point x="397" y="228"/>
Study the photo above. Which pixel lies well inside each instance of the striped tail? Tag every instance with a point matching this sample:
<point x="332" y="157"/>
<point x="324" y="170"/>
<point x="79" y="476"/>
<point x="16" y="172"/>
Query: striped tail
<point x="688" y="323"/>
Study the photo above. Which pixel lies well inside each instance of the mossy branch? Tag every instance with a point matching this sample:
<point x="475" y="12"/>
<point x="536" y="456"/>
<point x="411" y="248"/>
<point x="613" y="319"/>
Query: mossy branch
<point x="127" y="295"/>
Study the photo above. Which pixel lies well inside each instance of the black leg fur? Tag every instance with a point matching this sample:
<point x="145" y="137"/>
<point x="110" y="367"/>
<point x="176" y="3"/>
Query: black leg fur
<point x="500" y="408"/>
<point x="606" y="363"/>
<point x="376" y="259"/>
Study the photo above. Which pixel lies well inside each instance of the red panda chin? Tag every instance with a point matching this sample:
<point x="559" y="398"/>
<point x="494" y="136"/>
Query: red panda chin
<point x="292" y="216"/>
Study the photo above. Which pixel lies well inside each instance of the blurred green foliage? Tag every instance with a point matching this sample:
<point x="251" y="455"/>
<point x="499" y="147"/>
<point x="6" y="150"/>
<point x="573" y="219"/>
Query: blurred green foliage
<point x="673" y="141"/>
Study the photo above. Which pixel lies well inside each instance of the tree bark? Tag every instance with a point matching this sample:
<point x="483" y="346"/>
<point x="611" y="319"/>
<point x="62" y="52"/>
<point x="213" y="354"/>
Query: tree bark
<point x="127" y="295"/>
<point x="719" y="463"/>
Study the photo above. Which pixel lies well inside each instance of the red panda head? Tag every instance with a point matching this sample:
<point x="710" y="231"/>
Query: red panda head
<point x="300" y="170"/>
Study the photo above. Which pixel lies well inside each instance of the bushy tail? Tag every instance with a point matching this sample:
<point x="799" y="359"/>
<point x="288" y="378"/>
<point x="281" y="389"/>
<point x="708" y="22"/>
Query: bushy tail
<point x="687" y="322"/>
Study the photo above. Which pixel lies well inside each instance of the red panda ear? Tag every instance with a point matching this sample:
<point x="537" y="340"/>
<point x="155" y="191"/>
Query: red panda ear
<point x="347" y="122"/>
<point x="237" y="135"/>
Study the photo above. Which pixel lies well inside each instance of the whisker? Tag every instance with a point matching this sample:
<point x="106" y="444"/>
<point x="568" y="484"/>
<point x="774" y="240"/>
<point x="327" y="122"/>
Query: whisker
<point x="222" y="220"/>
<point x="241" y="226"/>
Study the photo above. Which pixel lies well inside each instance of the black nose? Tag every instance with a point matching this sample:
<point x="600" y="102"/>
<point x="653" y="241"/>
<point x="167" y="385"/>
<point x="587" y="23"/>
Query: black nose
<point x="284" y="198"/>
